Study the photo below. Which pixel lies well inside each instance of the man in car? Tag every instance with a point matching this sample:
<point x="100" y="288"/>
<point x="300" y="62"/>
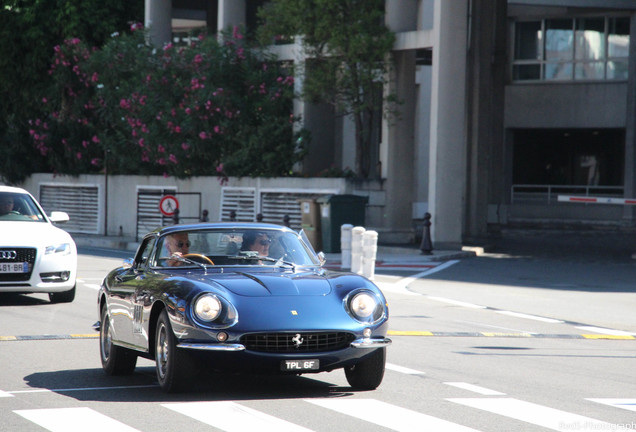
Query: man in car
<point x="6" y="204"/>
<point x="177" y="245"/>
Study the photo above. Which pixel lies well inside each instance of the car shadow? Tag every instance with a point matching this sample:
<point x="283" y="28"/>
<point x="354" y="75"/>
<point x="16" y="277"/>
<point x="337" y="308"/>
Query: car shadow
<point x="142" y="386"/>
<point x="16" y="299"/>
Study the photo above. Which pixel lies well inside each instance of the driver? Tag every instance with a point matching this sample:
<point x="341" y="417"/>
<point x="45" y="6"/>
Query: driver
<point x="6" y="204"/>
<point x="177" y="245"/>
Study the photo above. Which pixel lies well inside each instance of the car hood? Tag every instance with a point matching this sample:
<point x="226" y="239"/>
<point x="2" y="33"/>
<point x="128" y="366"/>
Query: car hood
<point x="32" y="234"/>
<point x="265" y="284"/>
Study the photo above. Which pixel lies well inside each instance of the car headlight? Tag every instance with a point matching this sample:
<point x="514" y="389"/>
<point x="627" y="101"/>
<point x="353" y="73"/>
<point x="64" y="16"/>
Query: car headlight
<point x="365" y="306"/>
<point x="207" y="308"/>
<point x="63" y="249"/>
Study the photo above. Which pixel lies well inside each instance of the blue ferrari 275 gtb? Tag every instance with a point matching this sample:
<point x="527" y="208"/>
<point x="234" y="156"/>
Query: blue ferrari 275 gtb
<point x="240" y="297"/>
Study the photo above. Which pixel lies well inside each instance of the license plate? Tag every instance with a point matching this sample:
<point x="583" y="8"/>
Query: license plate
<point x="300" y="365"/>
<point x="21" y="267"/>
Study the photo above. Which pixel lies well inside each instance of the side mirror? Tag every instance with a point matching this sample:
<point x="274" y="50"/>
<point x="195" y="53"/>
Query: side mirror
<point x="322" y="258"/>
<point x="59" y="217"/>
<point x="128" y="263"/>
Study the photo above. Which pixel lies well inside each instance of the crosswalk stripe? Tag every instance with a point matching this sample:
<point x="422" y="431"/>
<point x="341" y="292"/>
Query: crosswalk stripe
<point x="628" y="404"/>
<point x="389" y="416"/>
<point x="473" y="388"/>
<point x="402" y="369"/>
<point x="74" y="420"/>
<point x="232" y="417"/>
<point x="536" y="414"/>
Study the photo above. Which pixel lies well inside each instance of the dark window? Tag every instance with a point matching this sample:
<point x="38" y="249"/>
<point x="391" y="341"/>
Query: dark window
<point x="569" y="157"/>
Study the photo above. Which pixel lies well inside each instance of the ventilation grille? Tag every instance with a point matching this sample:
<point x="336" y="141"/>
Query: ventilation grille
<point x="80" y="202"/>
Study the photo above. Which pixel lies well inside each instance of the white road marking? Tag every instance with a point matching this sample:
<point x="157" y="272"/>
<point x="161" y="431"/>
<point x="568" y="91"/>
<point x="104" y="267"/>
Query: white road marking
<point x="536" y="414"/>
<point x="401" y="286"/>
<point x="5" y="394"/>
<point x="457" y="302"/>
<point x="74" y="420"/>
<point x="96" y="287"/>
<point x="628" y="404"/>
<point x="602" y="330"/>
<point x="532" y="317"/>
<point x="66" y="390"/>
<point x="232" y="417"/>
<point x="389" y="416"/>
<point x="476" y="389"/>
<point x="404" y="370"/>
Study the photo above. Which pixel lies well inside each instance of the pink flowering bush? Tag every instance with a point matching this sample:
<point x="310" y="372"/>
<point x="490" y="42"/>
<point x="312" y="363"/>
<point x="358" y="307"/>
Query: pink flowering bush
<point x="209" y="108"/>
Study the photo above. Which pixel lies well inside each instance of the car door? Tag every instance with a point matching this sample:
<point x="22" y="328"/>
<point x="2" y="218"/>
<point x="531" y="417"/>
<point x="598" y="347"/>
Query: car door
<point x="124" y="302"/>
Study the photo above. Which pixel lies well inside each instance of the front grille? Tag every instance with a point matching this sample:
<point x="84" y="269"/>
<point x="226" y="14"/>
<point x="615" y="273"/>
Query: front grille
<point x="288" y="342"/>
<point x="22" y="255"/>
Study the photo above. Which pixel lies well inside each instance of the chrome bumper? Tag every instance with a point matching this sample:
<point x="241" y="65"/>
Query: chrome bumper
<point x="371" y="343"/>
<point x="212" y="347"/>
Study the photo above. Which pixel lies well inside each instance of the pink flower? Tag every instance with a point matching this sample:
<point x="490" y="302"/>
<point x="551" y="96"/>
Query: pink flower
<point x="161" y="149"/>
<point x="85" y="144"/>
<point x="203" y="135"/>
<point x="173" y="158"/>
<point x="95" y="161"/>
<point x="44" y="100"/>
<point x="185" y="146"/>
<point x="177" y="129"/>
<point x="217" y="129"/>
<point x="78" y="155"/>
<point x="141" y="142"/>
<point x="95" y="139"/>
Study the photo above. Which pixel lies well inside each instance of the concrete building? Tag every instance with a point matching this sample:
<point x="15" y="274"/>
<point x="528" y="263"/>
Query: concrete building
<point x="506" y="105"/>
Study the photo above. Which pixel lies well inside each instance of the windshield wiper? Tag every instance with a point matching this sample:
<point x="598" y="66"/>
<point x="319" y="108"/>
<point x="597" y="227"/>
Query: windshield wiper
<point x="278" y="262"/>
<point x="185" y="260"/>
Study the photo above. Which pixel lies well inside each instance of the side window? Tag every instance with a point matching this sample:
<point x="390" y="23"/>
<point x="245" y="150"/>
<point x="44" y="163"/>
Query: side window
<point x="144" y="252"/>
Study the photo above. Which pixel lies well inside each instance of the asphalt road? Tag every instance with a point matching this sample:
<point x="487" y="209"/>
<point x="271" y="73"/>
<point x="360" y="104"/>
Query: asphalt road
<point x="521" y="339"/>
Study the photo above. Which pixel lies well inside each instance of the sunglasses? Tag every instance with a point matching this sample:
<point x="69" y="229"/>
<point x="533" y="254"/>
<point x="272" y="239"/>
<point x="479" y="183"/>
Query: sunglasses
<point x="182" y="244"/>
<point x="265" y="242"/>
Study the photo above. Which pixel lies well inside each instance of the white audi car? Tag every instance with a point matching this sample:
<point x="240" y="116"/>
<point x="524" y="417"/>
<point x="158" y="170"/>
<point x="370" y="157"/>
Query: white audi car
<point x="35" y="255"/>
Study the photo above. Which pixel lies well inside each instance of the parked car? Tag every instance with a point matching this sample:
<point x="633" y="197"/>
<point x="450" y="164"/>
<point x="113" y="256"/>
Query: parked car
<point x="35" y="255"/>
<point x="239" y="297"/>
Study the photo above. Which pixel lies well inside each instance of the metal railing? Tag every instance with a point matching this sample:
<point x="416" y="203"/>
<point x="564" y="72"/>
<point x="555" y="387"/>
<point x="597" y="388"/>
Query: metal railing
<point x="548" y="194"/>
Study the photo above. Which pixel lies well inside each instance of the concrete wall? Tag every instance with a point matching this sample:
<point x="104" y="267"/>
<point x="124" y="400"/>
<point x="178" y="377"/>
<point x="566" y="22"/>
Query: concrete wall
<point x="546" y="105"/>
<point x="122" y="192"/>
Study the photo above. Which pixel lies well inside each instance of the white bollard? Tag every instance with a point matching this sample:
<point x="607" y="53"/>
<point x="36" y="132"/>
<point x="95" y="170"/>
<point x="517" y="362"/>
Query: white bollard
<point x="345" y="246"/>
<point x="369" y="253"/>
<point x="356" y="249"/>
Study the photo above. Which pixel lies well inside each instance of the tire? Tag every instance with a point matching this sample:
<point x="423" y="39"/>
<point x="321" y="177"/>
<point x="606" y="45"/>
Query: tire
<point x="367" y="374"/>
<point x="116" y="360"/>
<point x="64" y="296"/>
<point x="174" y="366"/>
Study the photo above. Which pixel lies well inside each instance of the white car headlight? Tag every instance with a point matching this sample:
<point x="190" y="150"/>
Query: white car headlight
<point x="63" y="249"/>
<point x="207" y="308"/>
<point x="366" y="307"/>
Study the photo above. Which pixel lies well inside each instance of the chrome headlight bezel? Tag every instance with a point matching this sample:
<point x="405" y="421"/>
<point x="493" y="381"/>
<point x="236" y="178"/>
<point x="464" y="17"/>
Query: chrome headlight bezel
<point x="365" y="306"/>
<point x="213" y="311"/>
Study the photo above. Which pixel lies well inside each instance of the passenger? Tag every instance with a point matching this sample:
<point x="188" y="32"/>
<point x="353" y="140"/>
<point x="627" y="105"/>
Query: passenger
<point x="177" y="245"/>
<point x="256" y="241"/>
<point x="6" y="205"/>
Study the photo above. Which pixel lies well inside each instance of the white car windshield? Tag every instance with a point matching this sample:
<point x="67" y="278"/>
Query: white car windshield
<point x="19" y="207"/>
<point x="240" y="247"/>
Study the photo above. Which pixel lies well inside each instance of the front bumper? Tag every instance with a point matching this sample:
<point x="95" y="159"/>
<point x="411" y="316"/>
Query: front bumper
<point x="358" y="343"/>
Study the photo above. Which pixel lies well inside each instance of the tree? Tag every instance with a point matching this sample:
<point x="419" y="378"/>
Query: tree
<point x="208" y="108"/>
<point x="29" y="29"/>
<point x="347" y="46"/>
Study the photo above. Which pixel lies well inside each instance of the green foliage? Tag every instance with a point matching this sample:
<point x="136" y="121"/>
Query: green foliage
<point x="208" y="108"/>
<point x="347" y="46"/>
<point x="29" y="29"/>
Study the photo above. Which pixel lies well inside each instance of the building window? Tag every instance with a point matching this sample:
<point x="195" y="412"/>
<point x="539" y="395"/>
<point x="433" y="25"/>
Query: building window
<point x="571" y="49"/>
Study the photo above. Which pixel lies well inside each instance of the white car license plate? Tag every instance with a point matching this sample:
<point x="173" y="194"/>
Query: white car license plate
<point x="21" y="267"/>
<point x="300" y="365"/>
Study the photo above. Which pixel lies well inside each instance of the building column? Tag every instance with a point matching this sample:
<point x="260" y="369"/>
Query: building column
<point x="158" y="21"/>
<point x="399" y="154"/>
<point x="630" y="128"/>
<point x="447" y="179"/>
<point x="231" y="13"/>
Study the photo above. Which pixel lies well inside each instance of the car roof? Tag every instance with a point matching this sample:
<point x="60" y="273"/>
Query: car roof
<point x="222" y="225"/>
<point x="12" y="189"/>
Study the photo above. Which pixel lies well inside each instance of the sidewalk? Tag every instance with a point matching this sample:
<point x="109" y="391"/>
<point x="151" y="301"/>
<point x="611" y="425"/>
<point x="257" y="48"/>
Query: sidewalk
<point x="387" y="256"/>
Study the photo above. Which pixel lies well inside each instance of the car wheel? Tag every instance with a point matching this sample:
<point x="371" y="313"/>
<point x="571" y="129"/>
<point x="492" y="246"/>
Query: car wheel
<point x="174" y="366"/>
<point x="116" y="360"/>
<point x="367" y="374"/>
<point x="64" y="296"/>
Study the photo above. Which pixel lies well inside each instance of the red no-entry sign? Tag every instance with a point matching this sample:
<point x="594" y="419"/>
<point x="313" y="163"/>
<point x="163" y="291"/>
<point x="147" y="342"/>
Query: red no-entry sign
<point x="168" y="205"/>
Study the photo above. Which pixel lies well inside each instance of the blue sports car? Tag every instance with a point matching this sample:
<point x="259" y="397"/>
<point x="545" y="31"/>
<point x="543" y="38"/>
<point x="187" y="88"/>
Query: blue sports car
<point x="241" y="297"/>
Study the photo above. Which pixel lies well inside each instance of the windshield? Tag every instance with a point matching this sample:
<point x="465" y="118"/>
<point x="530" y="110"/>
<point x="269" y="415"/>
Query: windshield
<point x="19" y="207"/>
<point x="239" y="247"/>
